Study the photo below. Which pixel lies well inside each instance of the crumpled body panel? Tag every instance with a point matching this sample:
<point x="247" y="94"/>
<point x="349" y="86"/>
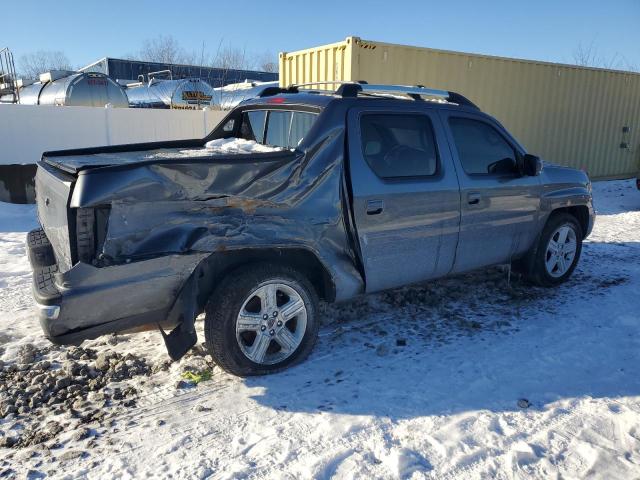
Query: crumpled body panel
<point x="217" y="203"/>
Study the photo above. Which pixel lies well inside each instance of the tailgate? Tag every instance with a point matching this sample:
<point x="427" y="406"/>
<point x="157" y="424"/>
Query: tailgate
<point x="53" y="189"/>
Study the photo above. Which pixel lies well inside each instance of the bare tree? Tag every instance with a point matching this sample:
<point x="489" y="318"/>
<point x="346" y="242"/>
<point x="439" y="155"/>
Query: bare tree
<point x="267" y="62"/>
<point x="627" y="65"/>
<point x="33" y="64"/>
<point x="590" y="56"/>
<point x="165" y="49"/>
<point x="229" y="57"/>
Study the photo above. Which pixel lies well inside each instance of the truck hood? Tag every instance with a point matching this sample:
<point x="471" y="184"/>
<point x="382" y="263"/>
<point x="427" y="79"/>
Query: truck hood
<point x="557" y="174"/>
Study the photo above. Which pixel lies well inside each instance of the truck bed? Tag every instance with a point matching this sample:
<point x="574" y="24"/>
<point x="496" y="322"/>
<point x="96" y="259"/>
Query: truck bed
<point x="73" y="162"/>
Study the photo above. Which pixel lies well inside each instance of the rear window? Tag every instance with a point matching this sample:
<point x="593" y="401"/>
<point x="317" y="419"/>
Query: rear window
<point x="278" y="128"/>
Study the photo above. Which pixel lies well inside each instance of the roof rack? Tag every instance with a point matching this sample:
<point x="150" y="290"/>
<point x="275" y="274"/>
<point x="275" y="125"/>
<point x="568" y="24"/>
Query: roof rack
<point x="415" y="92"/>
<point x="352" y="89"/>
<point x="271" y="91"/>
<point x="295" y="88"/>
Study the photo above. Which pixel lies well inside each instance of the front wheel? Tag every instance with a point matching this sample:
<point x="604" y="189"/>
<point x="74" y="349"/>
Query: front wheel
<point x="262" y="319"/>
<point x="557" y="253"/>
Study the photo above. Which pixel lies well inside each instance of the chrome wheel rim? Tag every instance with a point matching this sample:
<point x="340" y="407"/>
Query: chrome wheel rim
<point x="561" y="251"/>
<point x="271" y="323"/>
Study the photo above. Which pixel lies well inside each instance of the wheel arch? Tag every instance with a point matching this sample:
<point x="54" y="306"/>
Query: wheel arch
<point x="579" y="212"/>
<point x="574" y="200"/>
<point x="219" y="264"/>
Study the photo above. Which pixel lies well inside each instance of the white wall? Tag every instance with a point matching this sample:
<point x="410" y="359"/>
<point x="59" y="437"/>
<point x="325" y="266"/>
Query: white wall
<point x="28" y="130"/>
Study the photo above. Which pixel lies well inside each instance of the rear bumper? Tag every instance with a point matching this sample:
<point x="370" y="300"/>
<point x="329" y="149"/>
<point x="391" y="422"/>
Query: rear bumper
<point x="86" y="302"/>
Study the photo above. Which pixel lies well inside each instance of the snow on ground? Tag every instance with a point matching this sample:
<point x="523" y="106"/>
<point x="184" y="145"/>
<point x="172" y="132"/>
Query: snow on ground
<point x="468" y="377"/>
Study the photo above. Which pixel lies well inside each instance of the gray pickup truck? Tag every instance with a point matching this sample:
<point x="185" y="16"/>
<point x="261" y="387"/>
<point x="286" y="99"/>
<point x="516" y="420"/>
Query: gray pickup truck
<point x="357" y="190"/>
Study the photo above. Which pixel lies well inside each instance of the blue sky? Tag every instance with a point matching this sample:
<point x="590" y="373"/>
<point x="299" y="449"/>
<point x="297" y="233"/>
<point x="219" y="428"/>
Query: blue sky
<point x="542" y="30"/>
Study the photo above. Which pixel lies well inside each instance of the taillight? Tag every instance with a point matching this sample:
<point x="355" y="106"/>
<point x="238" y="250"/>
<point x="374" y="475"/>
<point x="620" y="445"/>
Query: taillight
<point x="91" y="233"/>
<point x="85" y="234"/>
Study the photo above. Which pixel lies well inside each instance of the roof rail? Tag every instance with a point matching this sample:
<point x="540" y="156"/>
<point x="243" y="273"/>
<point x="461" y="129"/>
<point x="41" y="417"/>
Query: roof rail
<point x="271" y="91"/>
<point x="353" y="88"/>
<point x="415" y="92"/>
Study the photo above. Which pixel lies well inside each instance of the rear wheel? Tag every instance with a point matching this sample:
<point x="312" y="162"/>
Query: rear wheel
<point x="261" y="319"/>
<point x="556" y="255"/>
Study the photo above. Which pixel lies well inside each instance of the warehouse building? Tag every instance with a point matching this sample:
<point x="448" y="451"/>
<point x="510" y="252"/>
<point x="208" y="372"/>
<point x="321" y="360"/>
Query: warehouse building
<point x="577" y="116"/>
<point x="120" y="69"/>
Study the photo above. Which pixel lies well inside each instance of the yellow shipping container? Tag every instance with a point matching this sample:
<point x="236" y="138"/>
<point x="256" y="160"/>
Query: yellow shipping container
<point x="578" y="116"/>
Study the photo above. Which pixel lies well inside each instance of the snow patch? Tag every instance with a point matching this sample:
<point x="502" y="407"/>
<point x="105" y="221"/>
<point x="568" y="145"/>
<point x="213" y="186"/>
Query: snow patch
<point x="239" y="145"/>
<point x="222" y="146"/>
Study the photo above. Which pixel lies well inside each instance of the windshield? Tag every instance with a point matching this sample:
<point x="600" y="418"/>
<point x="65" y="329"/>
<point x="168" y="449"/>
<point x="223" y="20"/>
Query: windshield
<point x="278" y="128"/>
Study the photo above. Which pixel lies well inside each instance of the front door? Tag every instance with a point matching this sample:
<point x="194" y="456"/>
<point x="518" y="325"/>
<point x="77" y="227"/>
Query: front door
<point x="499" y="206"/>
<point x="406" y="199"/>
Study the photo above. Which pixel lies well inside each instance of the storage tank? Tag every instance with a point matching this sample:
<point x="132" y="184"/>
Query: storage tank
<point x="27" y="87"/>
<point x="186" y="93"/>
<point x="30" y="93"/>
<point x="582" y="117"/>
<point x="229" y="96"/>
<point x="63" y="88"/>
<point x="7" y="98"/>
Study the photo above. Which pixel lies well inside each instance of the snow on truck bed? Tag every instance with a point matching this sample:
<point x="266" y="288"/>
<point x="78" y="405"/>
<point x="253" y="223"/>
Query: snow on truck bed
<point x="468" y="377"/>
<point x="223" y="146"/>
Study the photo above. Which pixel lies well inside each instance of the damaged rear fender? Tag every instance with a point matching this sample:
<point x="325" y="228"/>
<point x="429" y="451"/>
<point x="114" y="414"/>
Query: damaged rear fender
<point x="211" y="272"/>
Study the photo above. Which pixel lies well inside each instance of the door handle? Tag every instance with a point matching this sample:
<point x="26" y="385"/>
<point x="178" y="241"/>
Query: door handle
<point x="374" y="207"/>
<point x="473" y="198"/>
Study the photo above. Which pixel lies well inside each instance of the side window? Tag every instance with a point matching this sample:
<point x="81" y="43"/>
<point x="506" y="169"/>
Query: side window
<point x="399" y="145"/>
<point x="481" y="149"/>
<point x="253" y="123"/>
<point x="300" y="125"/>
<point x="278" y="128"/>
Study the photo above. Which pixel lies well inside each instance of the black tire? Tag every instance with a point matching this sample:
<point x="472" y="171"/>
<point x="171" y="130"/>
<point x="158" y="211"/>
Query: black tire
<point x="533" y="265"/>
<point x="224" y="306"/>
<point x="40" y="251"/>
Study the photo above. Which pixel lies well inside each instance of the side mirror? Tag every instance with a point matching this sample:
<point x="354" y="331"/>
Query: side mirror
<point x="532" y="165"/>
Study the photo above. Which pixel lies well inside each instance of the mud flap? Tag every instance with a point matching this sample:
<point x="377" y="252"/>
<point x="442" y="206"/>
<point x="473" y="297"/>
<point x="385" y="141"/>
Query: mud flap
<point x="180" y="340"/>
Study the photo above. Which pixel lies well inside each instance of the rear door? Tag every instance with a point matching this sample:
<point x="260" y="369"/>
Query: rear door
<point x="500" y="207"/>
<point x="406" y="199"/>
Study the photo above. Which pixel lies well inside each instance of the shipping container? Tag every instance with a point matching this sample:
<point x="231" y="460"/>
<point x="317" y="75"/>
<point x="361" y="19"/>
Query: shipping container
<point x="577" y="116"/>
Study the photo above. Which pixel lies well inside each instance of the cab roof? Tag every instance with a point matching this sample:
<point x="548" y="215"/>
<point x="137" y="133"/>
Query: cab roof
<point x="311" y="95"/>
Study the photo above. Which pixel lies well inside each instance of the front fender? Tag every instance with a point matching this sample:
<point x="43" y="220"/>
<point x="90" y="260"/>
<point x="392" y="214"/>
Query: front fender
<point x="561" y="197"/>
<point x="574" y="199"/>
